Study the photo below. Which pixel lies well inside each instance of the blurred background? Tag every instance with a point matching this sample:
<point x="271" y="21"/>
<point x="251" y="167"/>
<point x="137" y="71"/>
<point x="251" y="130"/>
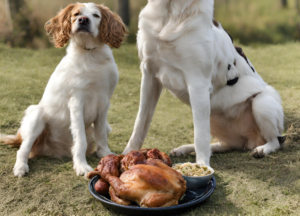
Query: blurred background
<point x="248" y="21"/>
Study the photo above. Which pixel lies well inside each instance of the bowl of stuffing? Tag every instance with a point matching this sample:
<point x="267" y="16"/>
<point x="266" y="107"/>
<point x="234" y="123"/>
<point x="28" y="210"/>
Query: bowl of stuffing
<point x="196" y="175"/>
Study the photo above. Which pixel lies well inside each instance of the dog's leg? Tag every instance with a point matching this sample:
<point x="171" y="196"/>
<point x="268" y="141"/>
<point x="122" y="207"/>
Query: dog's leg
<point x="187" y="149"/>
<point x="219" y="147"/>
<point x="183" y="150"/>
<point x="268" y="114"/>
<point x="101" y="131"/>
<point x="32" y="126"/>
<point x="150" y="92"/>
<point x="200" y="103"/>
<point x="76" y="105"/>
<point x="199" y="88"/>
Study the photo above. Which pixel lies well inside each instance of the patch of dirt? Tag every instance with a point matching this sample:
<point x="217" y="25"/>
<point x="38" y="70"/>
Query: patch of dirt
<point x="293" y="133"/>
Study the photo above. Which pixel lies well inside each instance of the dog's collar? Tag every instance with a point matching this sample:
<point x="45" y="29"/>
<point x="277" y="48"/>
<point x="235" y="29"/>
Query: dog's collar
<point x="90" y="49"/>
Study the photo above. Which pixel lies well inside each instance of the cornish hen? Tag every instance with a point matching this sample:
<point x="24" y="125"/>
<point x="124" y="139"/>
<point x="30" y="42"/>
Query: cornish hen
<point x="148" y="182"/>
<point x="107" y="165"/>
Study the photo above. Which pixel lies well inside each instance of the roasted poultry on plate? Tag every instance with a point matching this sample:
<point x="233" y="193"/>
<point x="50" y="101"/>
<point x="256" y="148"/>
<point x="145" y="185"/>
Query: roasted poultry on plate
<point x="144" y="177"/>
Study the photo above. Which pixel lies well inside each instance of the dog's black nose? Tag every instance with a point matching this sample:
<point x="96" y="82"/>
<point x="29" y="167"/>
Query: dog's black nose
<point x="83" y="20"/>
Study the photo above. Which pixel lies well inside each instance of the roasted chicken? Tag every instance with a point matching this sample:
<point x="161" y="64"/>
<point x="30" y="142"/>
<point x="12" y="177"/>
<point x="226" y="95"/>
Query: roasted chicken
<point x="148" y="182"/>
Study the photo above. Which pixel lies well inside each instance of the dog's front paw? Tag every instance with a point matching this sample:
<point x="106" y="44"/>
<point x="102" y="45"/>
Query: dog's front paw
<point x="20" y="169"/>
<point x="258" y="152"/>
<point x="82" y="169"/>
<point x="202" y="163"/>
<point x="177" y="152"/>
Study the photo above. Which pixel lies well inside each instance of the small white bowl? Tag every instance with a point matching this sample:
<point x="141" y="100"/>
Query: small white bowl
<point x="199" y="181"/>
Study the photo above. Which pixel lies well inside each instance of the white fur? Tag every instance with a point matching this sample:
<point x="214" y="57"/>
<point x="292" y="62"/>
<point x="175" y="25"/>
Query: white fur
<point x="76" y="97"/>
<point x="176" y="47"/>
<point x="229" y="101"/>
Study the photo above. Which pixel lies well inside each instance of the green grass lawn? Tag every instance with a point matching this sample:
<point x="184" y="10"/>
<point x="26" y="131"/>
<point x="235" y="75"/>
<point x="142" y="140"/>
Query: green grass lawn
<point x="267" y="186"/>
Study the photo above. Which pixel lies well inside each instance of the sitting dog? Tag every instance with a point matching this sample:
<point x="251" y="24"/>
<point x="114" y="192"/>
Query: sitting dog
<point x="76" y="100"/>
<point x="183" y="50"/>
<point x="176" y="47"/>
<point x="246" y="113"/>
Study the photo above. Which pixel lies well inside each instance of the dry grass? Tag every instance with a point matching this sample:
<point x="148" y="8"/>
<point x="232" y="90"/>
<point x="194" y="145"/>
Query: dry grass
<point x="246" y="186"/>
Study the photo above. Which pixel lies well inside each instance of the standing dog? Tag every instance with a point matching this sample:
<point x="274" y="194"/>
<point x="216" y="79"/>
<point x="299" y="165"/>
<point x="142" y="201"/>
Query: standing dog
<point x="246" y="113"/>
<point x="76" y="100"/>
<point x="176" y="47"/>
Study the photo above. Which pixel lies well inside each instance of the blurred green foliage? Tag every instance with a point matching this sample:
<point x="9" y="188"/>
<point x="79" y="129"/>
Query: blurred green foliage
<point x="260" y="21"/>
<point x="248" y="21"/>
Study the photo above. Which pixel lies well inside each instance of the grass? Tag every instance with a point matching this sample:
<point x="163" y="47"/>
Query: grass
<point x="245" y="186"/>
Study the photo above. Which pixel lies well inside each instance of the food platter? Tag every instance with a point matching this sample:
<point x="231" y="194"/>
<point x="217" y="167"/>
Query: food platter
<point x="191" y="199"/>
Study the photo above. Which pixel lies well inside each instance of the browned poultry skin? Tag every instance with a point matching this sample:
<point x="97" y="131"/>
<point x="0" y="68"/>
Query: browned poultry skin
<point x="156" y="154"/>
<point x="102" y="187"/>
<point x="109" y="165"/>
<point x="132" y="158"/>
<point x="153" y="184"/>
<point x="117" y="199"/>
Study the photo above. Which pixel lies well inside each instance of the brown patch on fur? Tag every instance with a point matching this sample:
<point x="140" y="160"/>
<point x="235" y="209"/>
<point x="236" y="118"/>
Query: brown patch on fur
<point x="238" y="131"/>
<point x="241" y="53"/>
<point x="60" y="26"/>
<point x="112" y="28"/>
<point x="216" y="23"/>
<point x="37" y="149"/>
<point x="12" y="140"/>
<point x="47" y="145"/>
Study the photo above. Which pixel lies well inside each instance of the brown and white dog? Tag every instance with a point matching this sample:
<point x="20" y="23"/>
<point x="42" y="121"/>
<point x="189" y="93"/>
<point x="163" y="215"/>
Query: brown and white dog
<point x="246" y="112"/>
<point x="76" y="100"/>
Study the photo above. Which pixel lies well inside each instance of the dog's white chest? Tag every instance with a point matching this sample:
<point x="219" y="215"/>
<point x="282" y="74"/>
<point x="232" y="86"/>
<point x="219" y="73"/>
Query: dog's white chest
<point x="172" y="79"/>
<point x="168" y="70"/>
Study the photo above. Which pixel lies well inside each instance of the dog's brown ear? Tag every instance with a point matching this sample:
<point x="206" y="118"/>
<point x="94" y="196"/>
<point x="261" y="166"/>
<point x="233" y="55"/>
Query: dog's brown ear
<point x="112" y="29"/>
<point x="59" y="27"/>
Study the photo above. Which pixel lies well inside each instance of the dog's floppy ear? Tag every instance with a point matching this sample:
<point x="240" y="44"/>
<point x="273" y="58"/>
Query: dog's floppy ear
<point x="60" y="27"/>
<point x="112" y="28"/>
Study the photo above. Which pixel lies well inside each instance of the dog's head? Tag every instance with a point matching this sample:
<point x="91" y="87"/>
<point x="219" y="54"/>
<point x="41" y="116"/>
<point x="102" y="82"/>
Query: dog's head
<point x="96" y="21"/>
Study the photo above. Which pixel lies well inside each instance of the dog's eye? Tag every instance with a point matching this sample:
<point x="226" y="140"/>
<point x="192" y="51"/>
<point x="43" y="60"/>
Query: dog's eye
<point x="76" y="14"/>
<point x="234" y="63"/>
<point x="96" y="15"/>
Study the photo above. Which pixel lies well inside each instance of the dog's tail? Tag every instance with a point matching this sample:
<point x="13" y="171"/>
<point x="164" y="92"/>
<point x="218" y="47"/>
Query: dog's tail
<point x="12" y="140"/>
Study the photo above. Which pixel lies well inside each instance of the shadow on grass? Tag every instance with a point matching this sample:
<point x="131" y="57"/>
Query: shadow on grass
<point x="54" y="165"/>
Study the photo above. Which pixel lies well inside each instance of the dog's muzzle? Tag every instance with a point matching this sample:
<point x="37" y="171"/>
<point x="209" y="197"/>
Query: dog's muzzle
<point x="83" y="24"/>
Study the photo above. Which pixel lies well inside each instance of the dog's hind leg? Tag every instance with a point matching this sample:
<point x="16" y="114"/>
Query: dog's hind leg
<point x="32" y="126"/>
<point x="268" y="114"/>
<point x="183" y="150"/>
<point x="220" y="147"/>
<point x="150" y="92"/>
<point x="187" y="149"/>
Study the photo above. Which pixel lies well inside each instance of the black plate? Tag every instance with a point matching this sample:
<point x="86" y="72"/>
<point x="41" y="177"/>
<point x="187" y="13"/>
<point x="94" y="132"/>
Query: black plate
<point x="191" y="199"/>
